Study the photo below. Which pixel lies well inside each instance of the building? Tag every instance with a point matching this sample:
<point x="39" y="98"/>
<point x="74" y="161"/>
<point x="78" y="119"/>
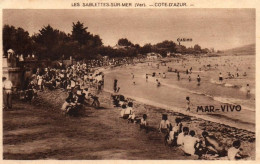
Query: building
<point x="153" y="56"/>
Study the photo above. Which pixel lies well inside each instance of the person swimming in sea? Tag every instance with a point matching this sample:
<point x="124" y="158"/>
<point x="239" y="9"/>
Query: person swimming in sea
<point x="158" y="83"/>
<point x="220" y="77"/>
<point x="247" y="89"/>
<point x="164" y="75"/>
<point x="133" y="76"/>
<point x="188" y="103"/>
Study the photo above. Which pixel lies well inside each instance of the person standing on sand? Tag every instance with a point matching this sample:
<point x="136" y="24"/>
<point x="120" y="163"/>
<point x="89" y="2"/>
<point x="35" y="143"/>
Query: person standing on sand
<point x="198" y="79"/>
<point x="7" y="92"/>
<point x="178" y="75"/>
<point x="188" y="103"/>
<point x="146" y="77"/>
<point x="115" y="85"/>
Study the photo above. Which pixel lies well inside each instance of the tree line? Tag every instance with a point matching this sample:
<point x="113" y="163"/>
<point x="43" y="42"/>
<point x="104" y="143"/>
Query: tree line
<point x="53" y="44"/>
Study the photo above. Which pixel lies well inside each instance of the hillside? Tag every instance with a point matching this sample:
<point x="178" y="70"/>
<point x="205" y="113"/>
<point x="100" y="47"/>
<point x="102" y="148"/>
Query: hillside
<point x="244" y="50"/>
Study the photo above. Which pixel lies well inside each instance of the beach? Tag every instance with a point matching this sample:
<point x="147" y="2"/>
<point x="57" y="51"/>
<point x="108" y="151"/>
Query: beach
<point x="231" y="94"/>
<point x="40" y="131"/>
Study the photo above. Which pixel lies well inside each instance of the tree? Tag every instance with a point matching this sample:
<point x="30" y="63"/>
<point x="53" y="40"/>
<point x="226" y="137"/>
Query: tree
<point x="169" y="46"/>
<point x="197" y="48"/>
<point x="49" y="43"/>
<point x="181" y="49"/>
<point x="16" y="39"/>
<point x="87" y="42"/>
<point x="79" y="33"/>
<point x="124" y="42"/>
<point x="146" y="49"/>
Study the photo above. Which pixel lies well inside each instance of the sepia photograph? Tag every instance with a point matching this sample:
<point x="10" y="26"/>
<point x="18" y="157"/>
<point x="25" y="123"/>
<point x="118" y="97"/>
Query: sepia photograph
<point x="129" y="84"/>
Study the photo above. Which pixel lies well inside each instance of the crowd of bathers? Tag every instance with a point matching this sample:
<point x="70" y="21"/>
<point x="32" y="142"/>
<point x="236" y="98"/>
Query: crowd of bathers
<point x="177" y="135"/>
<point x="79" y="76"/>
<point x="77" y="79"/>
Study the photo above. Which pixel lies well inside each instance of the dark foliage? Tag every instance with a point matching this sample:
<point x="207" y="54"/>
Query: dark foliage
<point x="52" y="44"/>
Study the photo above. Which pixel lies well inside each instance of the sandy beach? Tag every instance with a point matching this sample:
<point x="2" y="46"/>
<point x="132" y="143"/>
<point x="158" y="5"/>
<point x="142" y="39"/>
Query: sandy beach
<point x="30" y="132"/>
<point x="231" y="93"/>
<point x="144" y="81"/>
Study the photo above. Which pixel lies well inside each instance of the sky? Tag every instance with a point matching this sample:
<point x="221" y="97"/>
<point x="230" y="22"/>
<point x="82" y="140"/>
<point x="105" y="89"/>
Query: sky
<point x="210" y="28"/>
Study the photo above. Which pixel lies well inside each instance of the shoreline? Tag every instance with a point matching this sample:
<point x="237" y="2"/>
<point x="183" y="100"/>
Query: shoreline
<point x="214" y="117"/>
<point x="204" y="117"/>
<point x="198" y="124"/>
<point x="110" y="116"/>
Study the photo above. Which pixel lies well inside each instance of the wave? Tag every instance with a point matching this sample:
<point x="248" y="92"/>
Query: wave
<point x="233" y="101"/>
<point x="241" y="88"/>
<point x="179" y="110"/>
<point x="225" y="100"/>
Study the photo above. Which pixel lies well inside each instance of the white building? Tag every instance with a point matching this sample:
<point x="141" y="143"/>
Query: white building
<point x="153" y="56"/>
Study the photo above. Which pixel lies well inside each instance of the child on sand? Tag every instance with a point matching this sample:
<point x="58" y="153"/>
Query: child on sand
<point x="180" y="138"/>
<point x="143" y="122"/>
<point x="122" y="113"/>
<point x="66" y="104"/>
<point x="132" y="114"/>
<point x="169" y="137"/>
<point x="234" y="152"/>
<point x="213" y="145"/>
<point x="190" y="143"/>
<point x="174" y="131"/>
<point x="128" y="111"/>
<point x="164" y="124"/>
<point x="177" y="128"/>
